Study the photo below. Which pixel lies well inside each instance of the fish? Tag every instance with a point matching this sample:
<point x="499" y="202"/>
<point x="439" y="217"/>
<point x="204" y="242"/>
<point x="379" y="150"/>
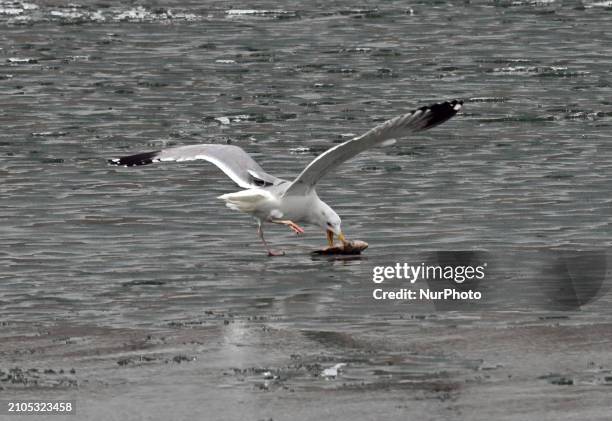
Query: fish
<point x="351" y="247"/>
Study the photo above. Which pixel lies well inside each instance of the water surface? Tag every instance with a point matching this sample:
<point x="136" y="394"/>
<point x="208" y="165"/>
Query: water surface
<point x="525" y="167"/>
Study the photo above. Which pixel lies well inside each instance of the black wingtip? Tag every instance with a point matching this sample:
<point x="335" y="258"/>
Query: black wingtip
<point x="138" y="159"/>
<point x="440" y="112"/>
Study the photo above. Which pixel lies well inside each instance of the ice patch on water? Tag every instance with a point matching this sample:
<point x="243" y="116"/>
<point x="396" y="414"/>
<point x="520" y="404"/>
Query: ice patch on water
<point x="260" y="13"/>
<point x="532" y="2"/>
<point x="75" y="14"/>
<point x="516" y="69"/>
<point x="10" y="11"/>
<point x="357" y="50"/>
<point x="487" y="99"/>
<point x="332" y="372"/>
<point x="388" y="142"/>
<point x="23" y="13"/>
<point x="233" y="119"/>
<point x="185" y="16"/>
<point x="584" y="115"/>
<point x="300" y="150"/>
<point x="606" y="4"/>
<point x="138" y="13"/>
<point x="18" y="60"/>
<point x="357" y="11"/>
<point x="13" y="8"/>
<point x="559" y="71"/>
<point x="141" y="14"/>
<point x="49" y="134"/>
<point x="77" y="58"/>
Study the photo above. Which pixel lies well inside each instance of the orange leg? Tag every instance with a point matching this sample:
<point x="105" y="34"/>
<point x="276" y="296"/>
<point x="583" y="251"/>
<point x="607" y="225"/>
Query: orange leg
<point x="295" y="227"/>
<point x="265" y="243"/>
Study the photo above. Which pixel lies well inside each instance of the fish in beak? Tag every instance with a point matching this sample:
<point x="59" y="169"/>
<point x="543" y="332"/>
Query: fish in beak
<point x="330" y="238"/>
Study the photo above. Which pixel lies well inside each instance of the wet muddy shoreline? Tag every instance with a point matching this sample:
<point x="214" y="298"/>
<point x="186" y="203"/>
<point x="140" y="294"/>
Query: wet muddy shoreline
<point x="267" y="370"/>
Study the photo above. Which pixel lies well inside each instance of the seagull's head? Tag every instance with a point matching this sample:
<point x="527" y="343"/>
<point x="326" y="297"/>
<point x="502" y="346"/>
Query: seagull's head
<point x="326" y="218"/>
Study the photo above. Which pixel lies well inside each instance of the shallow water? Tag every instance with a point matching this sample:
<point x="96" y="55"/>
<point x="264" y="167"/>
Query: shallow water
<point x="524" y="168"/>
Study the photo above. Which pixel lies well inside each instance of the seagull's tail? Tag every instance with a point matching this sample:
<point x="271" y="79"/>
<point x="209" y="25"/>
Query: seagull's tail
<point x="247" y="201"/>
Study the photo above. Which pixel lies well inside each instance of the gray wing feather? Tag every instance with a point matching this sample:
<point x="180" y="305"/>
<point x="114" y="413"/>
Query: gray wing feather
<point x="232" y="160"/>
<point x="415" y="121"/>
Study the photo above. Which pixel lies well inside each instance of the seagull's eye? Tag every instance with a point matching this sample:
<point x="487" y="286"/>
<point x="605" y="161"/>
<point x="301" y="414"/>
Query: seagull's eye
<point x="329" y="224"/>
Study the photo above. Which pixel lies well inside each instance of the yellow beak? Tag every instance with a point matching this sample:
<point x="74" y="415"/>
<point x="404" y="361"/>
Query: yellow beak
<point x="330" y="238"/>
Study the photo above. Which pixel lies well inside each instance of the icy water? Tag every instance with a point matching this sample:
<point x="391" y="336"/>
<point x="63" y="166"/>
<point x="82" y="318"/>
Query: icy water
<point x="126" y="262"/>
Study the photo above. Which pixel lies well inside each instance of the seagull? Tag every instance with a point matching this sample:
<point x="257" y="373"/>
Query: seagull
<point x="273" y="200"/>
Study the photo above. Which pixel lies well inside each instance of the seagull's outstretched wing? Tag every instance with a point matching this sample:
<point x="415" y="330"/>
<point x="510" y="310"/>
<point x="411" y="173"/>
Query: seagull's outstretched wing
<point x="415" y="121"/>
<point x="232" y="160"/>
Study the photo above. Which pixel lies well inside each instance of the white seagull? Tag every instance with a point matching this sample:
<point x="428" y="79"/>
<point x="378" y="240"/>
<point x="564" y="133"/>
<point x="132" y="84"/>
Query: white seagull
<point x="271" y="199"/>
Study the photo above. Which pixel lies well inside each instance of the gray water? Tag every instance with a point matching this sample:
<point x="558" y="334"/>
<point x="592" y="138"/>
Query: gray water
<point x="525" y="167"/>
